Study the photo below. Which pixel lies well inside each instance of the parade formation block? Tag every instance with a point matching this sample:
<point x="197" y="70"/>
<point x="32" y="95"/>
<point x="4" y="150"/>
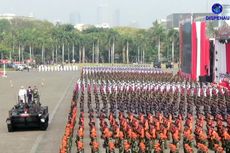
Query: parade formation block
<point x="133" y="109"/>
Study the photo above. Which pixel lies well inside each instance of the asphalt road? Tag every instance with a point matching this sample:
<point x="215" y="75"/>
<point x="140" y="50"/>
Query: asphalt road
<point x="56" y="91"/>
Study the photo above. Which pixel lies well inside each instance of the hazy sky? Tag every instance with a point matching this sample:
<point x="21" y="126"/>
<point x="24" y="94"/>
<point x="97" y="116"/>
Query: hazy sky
<point x="144" y="12"/>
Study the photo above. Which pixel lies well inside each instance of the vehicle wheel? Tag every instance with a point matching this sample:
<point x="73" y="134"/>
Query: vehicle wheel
<point x="10" y="128"/>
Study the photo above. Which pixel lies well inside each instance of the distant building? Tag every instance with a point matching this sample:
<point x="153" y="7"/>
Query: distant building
<point x="82" y="27"/>
<point x="163" y="22"/>
<point x="13" y="16"/>
<point x="103" y="25"/>
<point x="173" y="20"/>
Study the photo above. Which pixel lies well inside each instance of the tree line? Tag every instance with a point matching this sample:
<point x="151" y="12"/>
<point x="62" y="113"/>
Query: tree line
<point x="45" y="42"/>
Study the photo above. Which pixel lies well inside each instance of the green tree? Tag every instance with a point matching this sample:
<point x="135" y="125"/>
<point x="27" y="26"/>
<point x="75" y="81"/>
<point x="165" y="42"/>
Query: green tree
<point x="157" y="34"/>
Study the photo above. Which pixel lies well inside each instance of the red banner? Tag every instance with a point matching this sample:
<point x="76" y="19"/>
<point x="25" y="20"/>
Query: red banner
<point x="194" y="51"/>
<point x="228" y="57"/>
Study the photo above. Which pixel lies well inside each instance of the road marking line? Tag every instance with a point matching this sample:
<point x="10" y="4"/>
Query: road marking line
<point x="36" y="143"/>
<point x="59" y="102"/>
<point x="40" y="137"/>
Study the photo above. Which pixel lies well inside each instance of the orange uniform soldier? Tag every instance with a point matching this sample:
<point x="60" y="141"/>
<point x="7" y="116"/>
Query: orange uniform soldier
<point x="142" y="147"/>
<point x="80" y="133"/>
<point x="117" y="131"/>
<point x="226" y="140"/>
<point x="106" y="130"/>
<point x="134" y="135"/>
<point x="148" y="135"/>
<point x="176" y="137"/>
<point x="202" y="137"/>
<point x="121" y="135"/>
<point x="157" y="148"/>
<point x="108" y="134"/>
<point x="153" y="132"/>
<point x="202" y="148"/>
<point x="95" y="147"/>
<point x="111" y="146"/>
<point x="163" y="138"/>
<point x="218" y="148"/>
<point x="130" y="133"/>
<point x="142" y="133"/>
<point x="188" y="137"/>
<point x="146" y="125"/>
<point x="80" y="146"/>
<point x="93" y="132"/>
<point x="188" y="149"/>
<point x="173" y="148"/>
<point x="126" y="146"/>
<point x="158" y="126"/>
<point x="215" y="137"/>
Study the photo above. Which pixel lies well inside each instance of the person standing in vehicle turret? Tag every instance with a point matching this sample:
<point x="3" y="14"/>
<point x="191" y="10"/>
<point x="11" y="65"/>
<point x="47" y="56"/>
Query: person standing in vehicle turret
<point x="22" y="94"/>
<point x="36" y="94"/>
<point x="29" y="94"/>
<point x="35" y="91"/>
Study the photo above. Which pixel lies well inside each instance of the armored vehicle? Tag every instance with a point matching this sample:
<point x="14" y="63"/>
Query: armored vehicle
<point x="28" y="115"/>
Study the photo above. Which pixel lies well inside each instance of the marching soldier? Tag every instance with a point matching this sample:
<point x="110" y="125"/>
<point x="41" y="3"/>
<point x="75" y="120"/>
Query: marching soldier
<point x="111" y="147"/>
<point x="94" y="147"/>
<point x="202" y="148"/>
<point x="127" y="147"/>
<point x="142" y="147"/>
<point x="226" y="141"/>
<point x="80" y="146"/>
<point x="188" y="137"/>
<point x="80" y="133"/>
<point x="93" y="133"/>
<point x="157" y="148"/>
<point x="218" y="149"/>
<point x="188" y="148"/>
<point x="173" y="148"/>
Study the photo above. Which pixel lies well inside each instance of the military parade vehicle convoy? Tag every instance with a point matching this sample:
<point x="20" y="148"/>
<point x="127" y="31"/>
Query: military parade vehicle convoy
<point x="28" y="115"/>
